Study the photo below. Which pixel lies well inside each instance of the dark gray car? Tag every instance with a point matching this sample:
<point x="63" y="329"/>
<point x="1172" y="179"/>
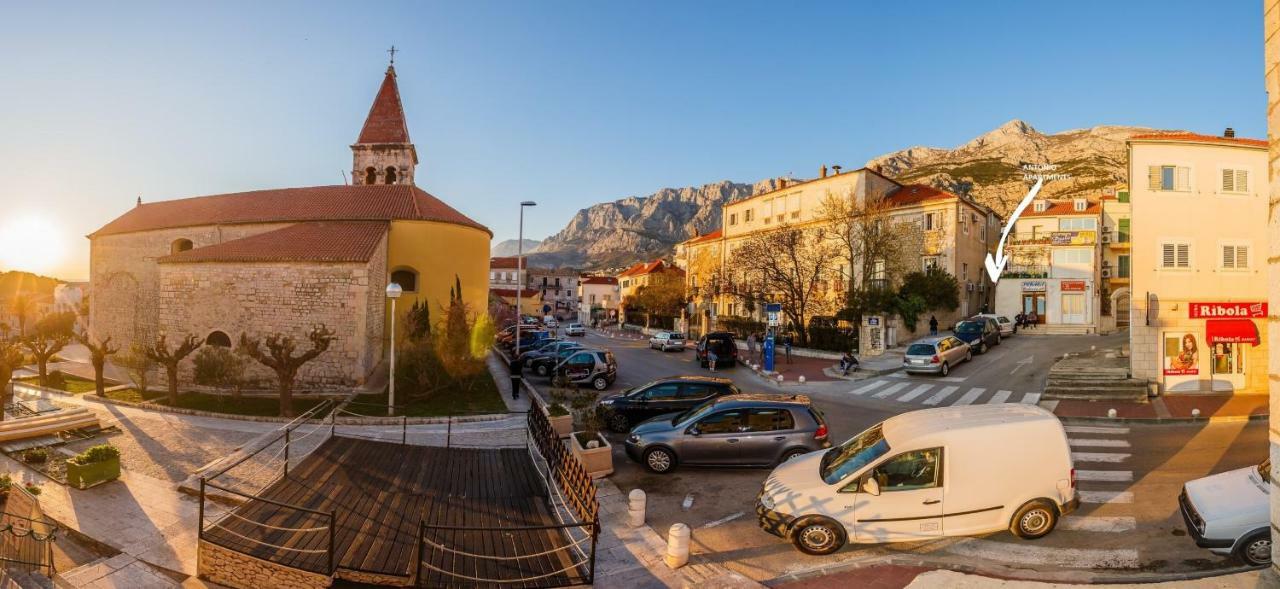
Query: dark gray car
<point x="733" y="430"/>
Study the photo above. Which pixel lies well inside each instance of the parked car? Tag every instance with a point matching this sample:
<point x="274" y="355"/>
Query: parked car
<point x="980" y="334"/>
<point x="734" y="430"/>
<point x="661" y="397"/>
<point x="550" y="322"/>
<point x="899" y="479"/>
<point x="543" y="362"/>
<point x="575" y="329"/>
<point x="722" y="343"/>
<point x="597" y="368"/>
<point x="1229" y="513"/>
<point x="667" y="340"/>
<point x="528" y="337"/>
<point x="1006" y="325"/>
<point x="936" y="355"/>
<point x="543" y="347"/>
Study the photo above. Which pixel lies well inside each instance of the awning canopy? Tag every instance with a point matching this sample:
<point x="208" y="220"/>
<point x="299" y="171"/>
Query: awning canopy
<point x="1231" y="331"/>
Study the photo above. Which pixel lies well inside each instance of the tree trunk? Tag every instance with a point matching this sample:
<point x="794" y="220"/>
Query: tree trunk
<point x="286" y="396"/>
<point x="43" y="363"/>
<point x="5" y="394"/>
<point x="98" y="386"/>
<point x="172" y="371"/>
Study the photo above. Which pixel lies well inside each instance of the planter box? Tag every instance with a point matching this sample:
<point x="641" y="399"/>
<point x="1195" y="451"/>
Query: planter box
<point x="598" y="461"/>
<point x="563" y="425"/>
<point x="83" y="476"/>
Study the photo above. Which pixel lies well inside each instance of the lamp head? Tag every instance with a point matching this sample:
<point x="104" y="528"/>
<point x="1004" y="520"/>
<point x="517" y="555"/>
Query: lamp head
<point x="394" y="291"/>
<point x="528" y="203"/>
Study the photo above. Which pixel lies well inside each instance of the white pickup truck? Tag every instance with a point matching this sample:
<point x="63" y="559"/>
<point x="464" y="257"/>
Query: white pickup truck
<point x="1230" y="513"/>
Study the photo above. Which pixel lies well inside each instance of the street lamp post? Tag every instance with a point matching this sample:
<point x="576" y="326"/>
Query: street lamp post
<point x="515" y="360"/>
<point x="393" y="293"/>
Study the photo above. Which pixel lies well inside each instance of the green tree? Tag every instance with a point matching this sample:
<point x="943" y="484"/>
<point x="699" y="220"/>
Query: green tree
<point x="138" y="365"/>
<point x="99" y="350"/>
<point x="937" y="288"/>
<point x="278" y="352"/>
<point x="417" y="321"/>
<point x="221" y="368"/>
<point x="160" y="353"/>
<point x="49" y="336"/>
<point x="662" y="296"/>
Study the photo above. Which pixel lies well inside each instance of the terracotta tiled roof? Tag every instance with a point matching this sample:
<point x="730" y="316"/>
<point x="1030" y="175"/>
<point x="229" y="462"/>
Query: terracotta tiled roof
<point x="714" y="235"/>
<point x="385" y="123"/>
<point x="342" y="241"/>
<point x="509" y="262"/>
<point x="377" y="202"/>
<point x="511" y="292"/>
<point x="1063" y="208"/>
<point x="912" y="194"/>
<point x="1198" y="138"/>
<point x="642" y="268"/>
<point x="598" y="280"/>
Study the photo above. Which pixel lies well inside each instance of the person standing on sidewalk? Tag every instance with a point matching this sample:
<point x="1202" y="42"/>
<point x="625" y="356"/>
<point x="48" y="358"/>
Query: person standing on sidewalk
<point x="786" y="342"/>
<point x="751" y="346"/>
<point x="933" y="325"/>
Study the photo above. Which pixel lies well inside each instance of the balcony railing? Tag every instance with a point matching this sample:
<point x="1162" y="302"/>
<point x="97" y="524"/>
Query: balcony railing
<point x="1026" y="271"/>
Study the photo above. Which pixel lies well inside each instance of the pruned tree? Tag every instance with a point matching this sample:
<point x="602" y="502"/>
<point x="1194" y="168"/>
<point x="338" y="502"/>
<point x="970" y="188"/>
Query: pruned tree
<point x="10" y="360"/>
<point x="160" y="353"/>
<point x="138" y="365"/>
<point x="220" y="367"/>
<point x="789" y="265"/>
<point x="99" y="350"/>
<point x="48" y="337"/>
<point x="876" y="248"/>
<point x="277" y="352"/>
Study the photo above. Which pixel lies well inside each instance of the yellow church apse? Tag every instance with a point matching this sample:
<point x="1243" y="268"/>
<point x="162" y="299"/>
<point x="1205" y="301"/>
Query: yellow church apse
<point x="439" y="256"/>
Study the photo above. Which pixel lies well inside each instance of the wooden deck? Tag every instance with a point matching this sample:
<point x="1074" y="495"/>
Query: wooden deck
<point x="380" y="492"/>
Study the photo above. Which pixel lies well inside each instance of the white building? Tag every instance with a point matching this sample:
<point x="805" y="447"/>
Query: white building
<point x="598" y="299"/>
<point x="1054" y="261"/>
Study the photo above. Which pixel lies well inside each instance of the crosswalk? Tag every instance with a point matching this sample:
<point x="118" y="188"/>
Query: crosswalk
<point x="938" y="393"/>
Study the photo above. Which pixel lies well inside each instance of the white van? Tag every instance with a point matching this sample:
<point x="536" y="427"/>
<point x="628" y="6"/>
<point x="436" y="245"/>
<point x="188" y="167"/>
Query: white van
<point x="1230" y="513"/>
<point x="950" y="471"/>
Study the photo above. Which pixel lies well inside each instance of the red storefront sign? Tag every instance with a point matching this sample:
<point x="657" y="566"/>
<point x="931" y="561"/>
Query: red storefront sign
<point x="1246" y="310"/>
<point x="1072" y="286"/>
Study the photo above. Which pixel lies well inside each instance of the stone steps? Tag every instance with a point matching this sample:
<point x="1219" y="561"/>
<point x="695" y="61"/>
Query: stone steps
<point x="1129" y="389"/>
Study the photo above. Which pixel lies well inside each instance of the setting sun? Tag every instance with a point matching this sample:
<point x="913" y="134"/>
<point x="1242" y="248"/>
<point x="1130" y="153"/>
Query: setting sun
<point x="31" y="242"/>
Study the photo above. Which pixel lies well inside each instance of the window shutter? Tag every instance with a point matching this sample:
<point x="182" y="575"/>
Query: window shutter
<point x="1184" y="255"/>
<point x="1167" y="257"/>
<point x="1153" y="178"/>
<point x="1228" y="256"/>
<point x="1228" y="180"/>
<point x="1242" y="256"/>
<point x="1184" y="178"/>
<point x="1242" y="180"/>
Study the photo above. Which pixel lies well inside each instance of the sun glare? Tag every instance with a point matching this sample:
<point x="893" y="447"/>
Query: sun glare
<point x="31" y="242"/>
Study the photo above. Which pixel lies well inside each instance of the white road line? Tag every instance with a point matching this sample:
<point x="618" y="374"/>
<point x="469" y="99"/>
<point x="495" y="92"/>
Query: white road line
<point x="724" y="520"/>
<point x="999" y="397"/>
<point x="1098" y="442"/>
<point x="933" y="378"/>
<point x="1116" y="497"/>
<point x="969" y="397"/>
<point x="1111" y="457"/>
<point x="863" y="389"/>
<point x="1031" y="398"/>
<point x="940" y="395"/>
<point x="1105" y="476"/>
<point x="1029" y="554"/>
<point x="1094" y="429"/>
<point x="916" y="392"/>
<point x="891" y="390"/>
<point x="1093" y="523"/>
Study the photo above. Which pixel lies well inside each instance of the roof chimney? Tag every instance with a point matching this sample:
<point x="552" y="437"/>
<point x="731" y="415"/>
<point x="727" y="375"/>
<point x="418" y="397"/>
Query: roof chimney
<point x="1229" y="133"/>
<point x="836" y="168"/>
<point x="782" y="183"/>
<point x="823" y="170"/>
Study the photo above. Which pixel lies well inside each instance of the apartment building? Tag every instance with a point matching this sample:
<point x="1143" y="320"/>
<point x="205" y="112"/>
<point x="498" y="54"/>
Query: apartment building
<point x="636" y="276"/>
<point x="504" y="274"/>
<point x="1054" y="267"/>
<point x="1198" y="300"/>
<point x="598" y="299"/>
<point x="559" y="288"/>
<point x="1117" y="262"/>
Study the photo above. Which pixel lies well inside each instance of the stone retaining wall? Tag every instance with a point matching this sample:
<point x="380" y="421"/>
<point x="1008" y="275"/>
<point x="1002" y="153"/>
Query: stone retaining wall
<point x="241" y="571"/>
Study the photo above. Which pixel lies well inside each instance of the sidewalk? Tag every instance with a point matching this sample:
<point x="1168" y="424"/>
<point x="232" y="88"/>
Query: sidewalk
<point x="1172" y="407"/>
<point x="894" y="576"/>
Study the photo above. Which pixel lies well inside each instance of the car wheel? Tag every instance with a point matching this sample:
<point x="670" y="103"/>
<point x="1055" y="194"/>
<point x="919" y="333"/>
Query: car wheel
<point x="968" y="355"/>
<point x="659" y="460"/>
<point x="619" y="423"/>
<point x="982" y="348"/>
<point x="1034" y="520"/>
<point x="946" y="369"/>
<point x="999" y="339"/>
<point x="818" y="536"/>
<point x="600" y="383"/>
<point x="792" y="454"/>
<point x="1255" y="550"/>
<point x="542" y="370"/>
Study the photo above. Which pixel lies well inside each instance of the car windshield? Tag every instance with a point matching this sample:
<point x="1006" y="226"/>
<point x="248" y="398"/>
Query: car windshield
<point x="694" y="413"/>
<point x="857" y="452"/>
<point x="1264" y="470"/>
<point x="968" y="326"/>
<point x="920" y="350"/>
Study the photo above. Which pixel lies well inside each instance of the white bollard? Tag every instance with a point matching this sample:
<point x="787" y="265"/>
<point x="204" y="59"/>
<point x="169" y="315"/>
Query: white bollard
<point x="779" y="379"/>
<point x="1111" y="412"/>
<point x="1195" y="413"/>
<point x="678" y="546"/>
<point x="635" y="511"/>
<point x="801" y="379"/>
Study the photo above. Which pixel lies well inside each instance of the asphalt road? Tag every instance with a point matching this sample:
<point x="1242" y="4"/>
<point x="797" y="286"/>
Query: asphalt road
<point x="1130" y="475"/>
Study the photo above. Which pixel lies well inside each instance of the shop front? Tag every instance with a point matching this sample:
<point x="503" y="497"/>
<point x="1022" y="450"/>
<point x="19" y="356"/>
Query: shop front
<point x="1218" y="349"/>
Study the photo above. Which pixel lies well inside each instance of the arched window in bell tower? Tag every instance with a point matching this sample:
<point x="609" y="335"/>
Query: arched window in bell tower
<point x="391" y="175"/>
<point x="370" y="175"/>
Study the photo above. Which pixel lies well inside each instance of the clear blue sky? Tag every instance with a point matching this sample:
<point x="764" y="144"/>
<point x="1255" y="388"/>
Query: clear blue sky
<point x="571" y="103"/>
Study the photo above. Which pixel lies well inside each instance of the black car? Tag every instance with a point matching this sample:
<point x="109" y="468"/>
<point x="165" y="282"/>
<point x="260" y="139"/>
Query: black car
<point x="720" y="342"/>
<point x="667" y="395"/>
<point x="980" y="334"/>
<point x="542" y="348"/>
<point x="542" y="364"/>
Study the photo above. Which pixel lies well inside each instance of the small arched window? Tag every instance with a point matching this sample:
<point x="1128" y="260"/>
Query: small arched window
<point x="219" y="339"/>
<point x="391" y="178"/>
<point x="407" y="278"/>
<point x="370" y="175"/>
<point x="180" y="245"/>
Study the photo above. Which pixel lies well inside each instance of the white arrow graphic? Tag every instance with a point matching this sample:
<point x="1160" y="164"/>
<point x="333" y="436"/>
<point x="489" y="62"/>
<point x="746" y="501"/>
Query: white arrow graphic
<point x="995" y="266"/>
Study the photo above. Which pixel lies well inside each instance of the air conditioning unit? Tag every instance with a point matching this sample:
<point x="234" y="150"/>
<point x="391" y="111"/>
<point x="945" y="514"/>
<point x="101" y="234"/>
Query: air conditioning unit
<point x="1106" y="272"/>
<point x="969" y="287"/>
<point x="1106" y="238"/>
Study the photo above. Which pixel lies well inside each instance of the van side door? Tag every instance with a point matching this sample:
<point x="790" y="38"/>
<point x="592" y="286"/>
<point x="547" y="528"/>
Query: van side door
<point x="910" y="503"/>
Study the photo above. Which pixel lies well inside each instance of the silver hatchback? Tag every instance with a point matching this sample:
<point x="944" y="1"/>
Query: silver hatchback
<point x="667" y="340"/>
<point x="936" y="355"/>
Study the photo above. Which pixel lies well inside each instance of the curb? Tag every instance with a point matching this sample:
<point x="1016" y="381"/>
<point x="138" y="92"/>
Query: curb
<point x="1083" y="419"/>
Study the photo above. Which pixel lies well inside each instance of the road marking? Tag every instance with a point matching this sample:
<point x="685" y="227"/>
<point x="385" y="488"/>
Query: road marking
<point x="723" y="520"/>
<point x="1031" y="398"/>
<point x="1105" y="476"/>
<point x="1022" y="363"/>
<point x="863" y="389"/>
<point x="1093" y="523"/>
<point x="999" y="397"/>
<point x="969" y="397"/>
<point x="932" y="378"/>
<point x="1111" y="457"/>
<point x="1094" y="429"/>
<point x="916" y="392"/>
<point x="1026" y="554"/>
<point x="940" y="395"/>
<point x="688" y="502"/>
<point x="1098" y="442"/>
<point x="1114" y="497"/>
<point x="891" y="390"/>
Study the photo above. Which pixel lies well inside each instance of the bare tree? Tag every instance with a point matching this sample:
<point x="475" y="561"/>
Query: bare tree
<point x="98" y="352"/>
<point x="10" y="360"/>
<point x="877" y="248"/>
<point x="663" y="295"/>
<point x="160" y="353"/>
<point x="789" y="265"/>
<point x="279" y="356"/>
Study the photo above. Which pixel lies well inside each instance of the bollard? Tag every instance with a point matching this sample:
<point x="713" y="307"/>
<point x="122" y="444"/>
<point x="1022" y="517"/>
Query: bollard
<point x="678" y="546"/>
<point x="801" y="379"/>
<point x="1195" y="413"/>
<point x="779" y="379"/>
<point x="1111" y="412"/>
<point x="635" y="511"/>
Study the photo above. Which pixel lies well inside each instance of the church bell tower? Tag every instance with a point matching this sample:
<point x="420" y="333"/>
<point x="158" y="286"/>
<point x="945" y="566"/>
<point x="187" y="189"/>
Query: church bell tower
<point x="383" y="153"/>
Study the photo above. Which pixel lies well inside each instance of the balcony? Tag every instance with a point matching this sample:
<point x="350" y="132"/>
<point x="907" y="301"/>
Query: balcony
<point x="1075" y="238"/>
<point x="1117" y="240"/>
<point x="1026" y="271"/>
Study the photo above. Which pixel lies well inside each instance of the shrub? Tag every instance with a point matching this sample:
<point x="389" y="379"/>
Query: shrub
<point x="100" y="453"/>
<point x="6" y="482"/>
<point x="33" y="489"/>
<point x="56" y="380"/>
<point x="557" y="410"/>
<point x="35" y="456"/>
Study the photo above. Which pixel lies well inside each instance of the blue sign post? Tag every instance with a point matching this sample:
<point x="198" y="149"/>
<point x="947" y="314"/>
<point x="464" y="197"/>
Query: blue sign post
<point x="771" y="312"/>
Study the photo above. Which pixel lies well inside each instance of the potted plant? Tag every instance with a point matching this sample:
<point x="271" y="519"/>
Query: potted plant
<point x="559" y="416"/>
<point x="591" y="448"/>
<point x="94" y="466"/>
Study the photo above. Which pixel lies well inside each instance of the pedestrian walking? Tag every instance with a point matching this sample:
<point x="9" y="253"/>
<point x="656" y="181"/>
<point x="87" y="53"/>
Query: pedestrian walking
<point x="786" y="342"/>
<point x="711" y="358"/>
<point x="933" y="325"/>
<point x="985" y="308"/>
<point x="751" y="346"/>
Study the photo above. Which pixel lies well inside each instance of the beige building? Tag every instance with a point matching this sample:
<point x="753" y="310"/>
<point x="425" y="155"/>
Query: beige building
<point x="559" y="288"/>
<point x="1116" y="238"/>
<point x="634" y="277"/>
<point x="1199" y="285"/>
<point x="598" y="299"/>
<point x="1271" y="64"/>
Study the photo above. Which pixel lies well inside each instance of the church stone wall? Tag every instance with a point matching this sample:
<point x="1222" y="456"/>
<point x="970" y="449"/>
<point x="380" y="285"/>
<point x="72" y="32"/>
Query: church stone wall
<point x="382" y="157"/>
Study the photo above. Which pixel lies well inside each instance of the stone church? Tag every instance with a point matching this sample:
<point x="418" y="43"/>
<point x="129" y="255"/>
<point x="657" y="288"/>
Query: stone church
<point x="282" y="260"/>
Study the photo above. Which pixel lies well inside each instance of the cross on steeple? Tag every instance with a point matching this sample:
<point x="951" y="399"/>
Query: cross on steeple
<point x="392" y="51"/>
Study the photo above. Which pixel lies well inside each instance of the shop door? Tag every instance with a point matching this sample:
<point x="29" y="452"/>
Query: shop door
<point x="1073" y="308"/>
<point x="1034" y="302"/>
<point x="1121" y="310"/>
<point x="1228" y="366"/>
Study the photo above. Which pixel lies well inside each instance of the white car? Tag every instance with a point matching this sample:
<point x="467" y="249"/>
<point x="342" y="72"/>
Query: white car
<point x="550" y="322"/>
<point x="1007" y="326"/>
<point x="667" y="340"/>
<point x="575" y="329"/>
<point x="1229" y="513"/>
<point x="924" y="475"/>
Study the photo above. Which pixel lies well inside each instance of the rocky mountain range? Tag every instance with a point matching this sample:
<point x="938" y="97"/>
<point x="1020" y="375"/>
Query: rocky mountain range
<point x="508" y="247"/>
<point x="989" y="168"/>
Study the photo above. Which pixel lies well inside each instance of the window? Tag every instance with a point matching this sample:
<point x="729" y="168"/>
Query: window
<point x="219" y="339"/>
<point x="696" y="390"/>
<point x="878" y="270"/>
<point x="770" y="420"/>
<point x="909" y="471"/>
<point x="733" y="219"/>
<point x="1235" y="257"/>
<point x="1072" y="305"/>
<point x="747" y="215"/>
<point x="932" y="221"/>
<point x="180" y="245"/>
<point x="406" y="278"/>
<point x="1124" y="266"/>
<point x="1072" y="256"/>
<point x="1175" y="255"/>
<point x="492" y="275"/>
<point x="795" y="214"/>
<point x="1077" y="224"/>
<point x="1040" y="206"/>
<point x="984" y="232"/>
<point x="1169" y="178"/>
<point x="857" y="452"/>
<point x="370" y="175"/>
<point x="1122" y="234"/>
<point x="391" y="175"/>
<point x="930" y="263"/>
<point x="1080" y="205"/>
<point x="663" y="392"/>
<point x="725" y="422"/>
<point x="1235" y="181"/>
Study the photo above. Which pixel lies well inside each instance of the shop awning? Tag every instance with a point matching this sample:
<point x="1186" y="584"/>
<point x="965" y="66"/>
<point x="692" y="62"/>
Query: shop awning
<point x="1231" y="331"/>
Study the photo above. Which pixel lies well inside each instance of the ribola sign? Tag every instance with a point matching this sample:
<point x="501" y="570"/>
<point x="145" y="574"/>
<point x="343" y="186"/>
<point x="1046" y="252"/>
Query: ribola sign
<point x="1227" y="310"/>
